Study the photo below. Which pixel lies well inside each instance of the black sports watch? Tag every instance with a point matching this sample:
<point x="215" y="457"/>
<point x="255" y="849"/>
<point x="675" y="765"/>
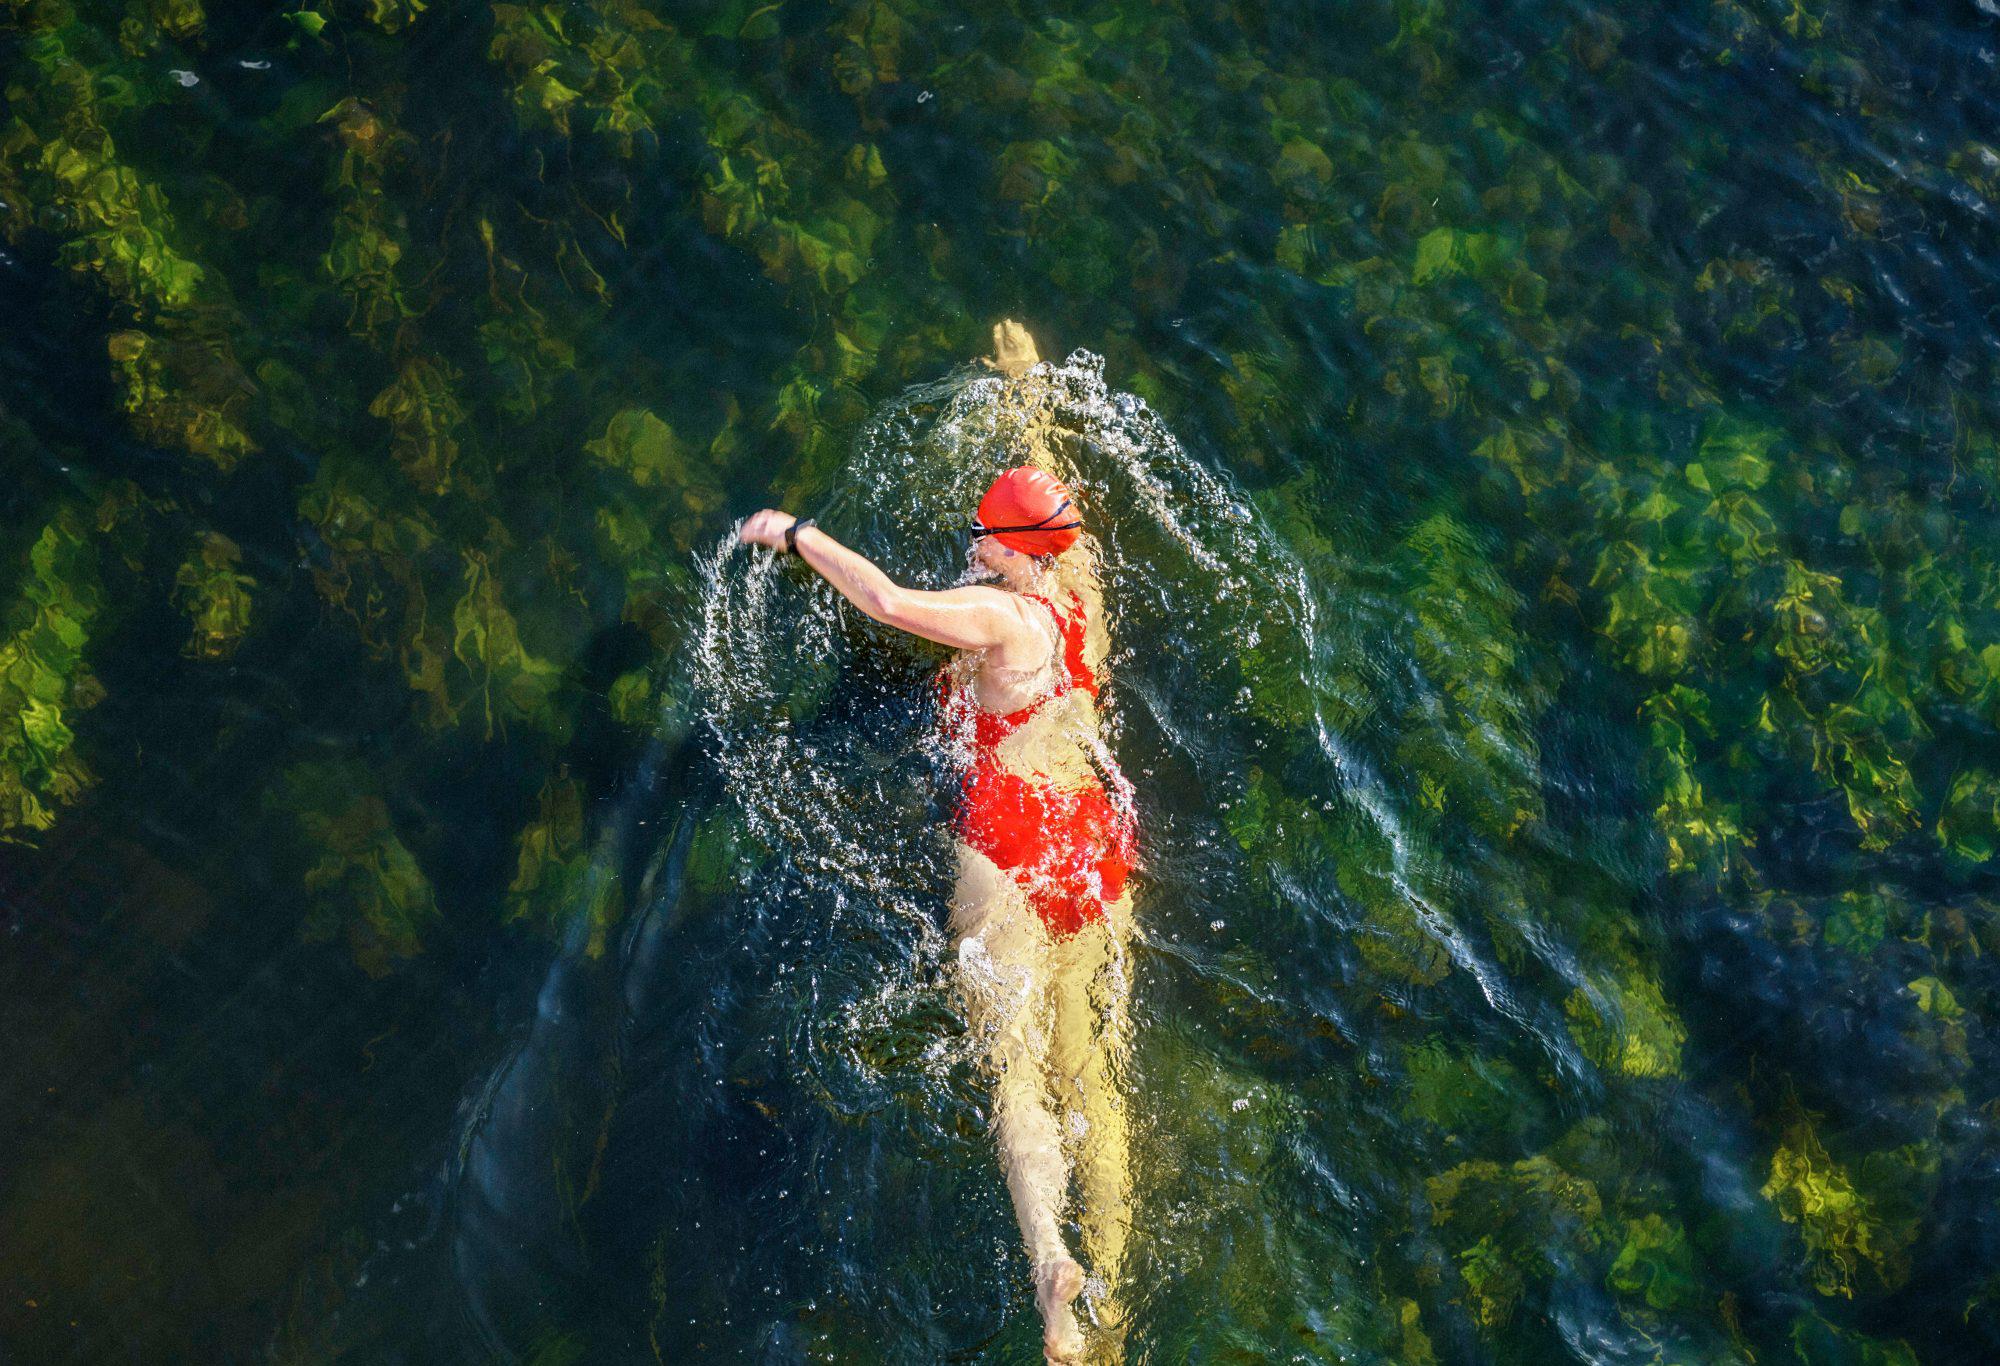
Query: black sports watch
<point x="792" y="533"/>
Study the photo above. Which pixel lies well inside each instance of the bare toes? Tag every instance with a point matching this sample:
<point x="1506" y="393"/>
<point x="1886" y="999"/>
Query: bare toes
<point x="1057" y="1284"/>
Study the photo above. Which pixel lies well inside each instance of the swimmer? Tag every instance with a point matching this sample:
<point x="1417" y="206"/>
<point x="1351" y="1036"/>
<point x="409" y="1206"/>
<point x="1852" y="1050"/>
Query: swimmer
<point x="1041" y="911"/>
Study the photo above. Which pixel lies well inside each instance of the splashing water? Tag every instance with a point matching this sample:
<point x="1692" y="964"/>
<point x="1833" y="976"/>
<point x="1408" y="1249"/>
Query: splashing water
<point x="810" y="879"/>
<point x="831" y="785"/>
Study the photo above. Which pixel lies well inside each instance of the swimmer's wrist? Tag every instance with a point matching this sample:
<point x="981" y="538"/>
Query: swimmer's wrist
<point x="792" y="533"/>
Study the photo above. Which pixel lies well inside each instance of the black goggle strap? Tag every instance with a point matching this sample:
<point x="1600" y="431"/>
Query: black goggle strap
<point x="1047" y="523"/>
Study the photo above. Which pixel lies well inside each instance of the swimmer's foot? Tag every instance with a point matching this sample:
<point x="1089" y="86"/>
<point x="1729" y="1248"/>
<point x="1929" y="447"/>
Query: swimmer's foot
<point x="1107" y="1319"/>
<point x="1014" y="352"/>
<point x="1058" y="1282"/>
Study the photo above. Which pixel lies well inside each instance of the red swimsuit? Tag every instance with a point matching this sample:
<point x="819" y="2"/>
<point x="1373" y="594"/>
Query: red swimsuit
<point x="1069" y="848"/>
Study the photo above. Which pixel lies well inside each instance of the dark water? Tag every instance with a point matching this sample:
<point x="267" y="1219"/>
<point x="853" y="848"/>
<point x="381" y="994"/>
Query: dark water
<point x="458" y="908"/>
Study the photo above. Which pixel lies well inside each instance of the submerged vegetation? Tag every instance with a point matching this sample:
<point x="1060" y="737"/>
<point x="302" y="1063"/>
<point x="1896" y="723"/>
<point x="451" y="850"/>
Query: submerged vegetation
<point x="403" y="355"/>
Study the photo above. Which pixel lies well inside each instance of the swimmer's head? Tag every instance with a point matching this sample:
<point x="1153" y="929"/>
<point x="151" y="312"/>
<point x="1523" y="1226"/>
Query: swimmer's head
<point x="1028" y="511"/>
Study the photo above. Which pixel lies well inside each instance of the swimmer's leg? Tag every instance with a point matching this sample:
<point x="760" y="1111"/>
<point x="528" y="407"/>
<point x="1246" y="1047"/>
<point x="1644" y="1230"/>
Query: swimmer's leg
<point x="1092" y="1038"/>
<point x="1003" y="961"/>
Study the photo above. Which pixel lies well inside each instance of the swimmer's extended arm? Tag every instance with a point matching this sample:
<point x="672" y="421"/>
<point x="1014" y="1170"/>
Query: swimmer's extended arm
<point x="965" y="618"/>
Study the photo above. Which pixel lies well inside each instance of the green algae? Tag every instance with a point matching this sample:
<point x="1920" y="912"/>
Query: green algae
<point x="180" y="380"/>
<point x="367" y="886"/>
<point x="424" y="419"/>
<point x="1850" y="1219"/>
<point x="1511" y="1223"/>
<point x="1463" y="1093"/>
<point x="45" y="682"/>
<point x="555" y="874"/>
<point x="1656" y="1265"/>
<point x="1786" y="630"/>
<point x="1625" y="1022"/>
<point x="505" y="679"/>
<point x="216" y="595"/>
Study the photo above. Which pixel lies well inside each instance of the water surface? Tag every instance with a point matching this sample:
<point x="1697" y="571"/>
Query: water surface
<point x="460" y="907"/>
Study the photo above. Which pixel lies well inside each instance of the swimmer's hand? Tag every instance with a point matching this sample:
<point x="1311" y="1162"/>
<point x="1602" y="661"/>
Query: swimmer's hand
<point x="766" y="527"/>
<point x="1014" y="350"/>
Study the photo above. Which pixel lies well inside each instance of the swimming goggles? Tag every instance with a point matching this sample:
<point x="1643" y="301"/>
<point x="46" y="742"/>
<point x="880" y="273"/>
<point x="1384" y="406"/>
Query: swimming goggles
<point x="1047" y="523"/>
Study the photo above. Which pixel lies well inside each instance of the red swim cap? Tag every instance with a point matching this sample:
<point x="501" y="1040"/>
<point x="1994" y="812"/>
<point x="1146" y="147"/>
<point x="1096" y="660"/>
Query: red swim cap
<point x="1029" y="510"/>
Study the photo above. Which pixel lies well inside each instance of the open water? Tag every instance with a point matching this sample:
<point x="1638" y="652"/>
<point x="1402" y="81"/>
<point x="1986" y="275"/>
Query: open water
<point x="457" y="906"/>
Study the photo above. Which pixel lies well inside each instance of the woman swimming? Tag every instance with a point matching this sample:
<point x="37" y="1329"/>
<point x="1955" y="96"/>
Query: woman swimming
<point x="1041" y="912"/>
